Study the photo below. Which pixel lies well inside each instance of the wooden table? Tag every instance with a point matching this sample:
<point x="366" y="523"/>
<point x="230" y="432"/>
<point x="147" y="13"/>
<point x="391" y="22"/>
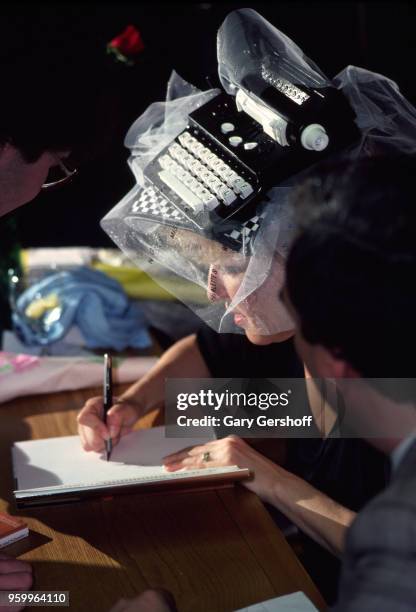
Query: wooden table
<point x="217" y="550"/>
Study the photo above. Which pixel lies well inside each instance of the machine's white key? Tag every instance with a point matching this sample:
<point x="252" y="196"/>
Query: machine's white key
<point x="245" y="190"/>
<point x="175" y="150"/>
<point x="190" y="139"/>
<point x="180" y="173"/>
<point x="228" y="175"/>
<point x="184" y="139"/>
<point x="226" y="128"/>
<point x="215" y="184"/>
<point x="187" y="160"/>
<point x="199" y="169"/>
<point x="194" y="185"/>
<point x="204" y="155"/>
<point x="216" y="163"/>
<point x="231" y="178"/>
<point x="188" y="181"/>
<point x="166" y="162"/>
<point x="223" y="171"/>
<point x="187" y="145"/>
<point x="193" y="165"/>
<point x="227" y="195"/>
<point x="208" y="176"/>
<point x="210" y="159"/>
<point x="237" y="183"/>
<point x="174" y="167"/>
<point x="182" y="190"/>
<point x="250" y="145"/>
<point x="235" y="141"/>
<point x="208" y="199"/>
<point x="190" y="144"/>
<point x="198" y="149"/>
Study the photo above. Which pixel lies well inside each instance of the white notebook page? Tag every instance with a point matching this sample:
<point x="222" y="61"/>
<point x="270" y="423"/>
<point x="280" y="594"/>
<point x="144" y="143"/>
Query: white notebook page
<point x="62" y="463"/>
<point x="295" y="602"/>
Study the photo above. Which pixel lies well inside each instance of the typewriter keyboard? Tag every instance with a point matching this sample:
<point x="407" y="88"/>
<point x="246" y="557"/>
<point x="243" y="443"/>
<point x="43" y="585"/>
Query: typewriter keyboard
<point x="199" y="177"/>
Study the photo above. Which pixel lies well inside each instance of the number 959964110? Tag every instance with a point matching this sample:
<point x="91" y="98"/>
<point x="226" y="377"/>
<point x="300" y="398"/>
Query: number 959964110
<point x="33" y="598"/>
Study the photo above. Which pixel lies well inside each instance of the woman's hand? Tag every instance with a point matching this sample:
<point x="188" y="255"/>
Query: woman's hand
<point x="230" y="451"/>
<point x="120" y="420"/>
<point x="15" y="575"/>
<point x="319" y="516"/>
<point x="152" y="600"/>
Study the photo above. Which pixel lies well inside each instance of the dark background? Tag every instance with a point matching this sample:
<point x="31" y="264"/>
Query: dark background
<point x="379" y="36"/>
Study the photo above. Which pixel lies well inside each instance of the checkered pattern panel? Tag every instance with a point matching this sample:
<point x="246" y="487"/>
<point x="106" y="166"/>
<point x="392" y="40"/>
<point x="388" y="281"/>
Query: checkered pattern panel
<point x="247" y="231"/>
<point x="152" y="205"/>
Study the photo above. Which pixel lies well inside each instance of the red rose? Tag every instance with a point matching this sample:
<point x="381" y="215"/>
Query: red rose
<point x="127" y="44"/>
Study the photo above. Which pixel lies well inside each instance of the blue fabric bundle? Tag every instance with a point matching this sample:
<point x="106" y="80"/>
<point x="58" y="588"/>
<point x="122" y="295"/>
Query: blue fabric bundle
<point x="89" y="299"/>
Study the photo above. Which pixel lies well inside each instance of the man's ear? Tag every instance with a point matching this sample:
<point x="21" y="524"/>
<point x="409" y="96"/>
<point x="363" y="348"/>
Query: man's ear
<point x="328" y="365"/>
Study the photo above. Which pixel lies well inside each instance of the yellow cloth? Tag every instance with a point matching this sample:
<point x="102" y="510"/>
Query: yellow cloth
<point x="137" y="284"/>
<point x="37" y="308"/>
<point x="24" y="259"/>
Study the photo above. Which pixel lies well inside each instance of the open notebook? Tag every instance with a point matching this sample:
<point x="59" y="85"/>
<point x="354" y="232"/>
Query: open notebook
<point x="58" y="470"/>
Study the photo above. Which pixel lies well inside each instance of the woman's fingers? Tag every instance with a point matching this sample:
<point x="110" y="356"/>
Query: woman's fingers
<point x="92" y="430"/>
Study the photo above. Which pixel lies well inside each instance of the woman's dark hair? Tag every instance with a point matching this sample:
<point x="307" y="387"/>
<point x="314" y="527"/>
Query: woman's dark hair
<point x="351" y="274"/>
<point x="57" y="91"/>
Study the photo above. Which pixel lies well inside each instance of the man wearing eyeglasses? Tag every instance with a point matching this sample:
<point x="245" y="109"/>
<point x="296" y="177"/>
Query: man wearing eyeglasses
<point x="22" y="180"/>
<point x="56" y="96"/>
<point x="47" y="111"/>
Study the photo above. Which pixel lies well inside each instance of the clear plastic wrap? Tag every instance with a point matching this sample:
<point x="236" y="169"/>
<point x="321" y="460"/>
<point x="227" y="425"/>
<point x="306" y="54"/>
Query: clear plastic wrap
<point x="162" y="121"/>
<point x="248" y="44"/>
<point x="235" y="287"/>
<point x="387" y="121"/>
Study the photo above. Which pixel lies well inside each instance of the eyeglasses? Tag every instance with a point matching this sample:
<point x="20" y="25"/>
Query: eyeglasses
<point x="58" y="175"/>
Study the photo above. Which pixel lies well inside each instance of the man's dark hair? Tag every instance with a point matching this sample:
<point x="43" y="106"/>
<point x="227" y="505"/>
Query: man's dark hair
<point x="55" y="81"/>
<point x="351" y="274"/>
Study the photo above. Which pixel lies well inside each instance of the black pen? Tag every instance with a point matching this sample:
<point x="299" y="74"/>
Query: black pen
<point x="108" y="398"/>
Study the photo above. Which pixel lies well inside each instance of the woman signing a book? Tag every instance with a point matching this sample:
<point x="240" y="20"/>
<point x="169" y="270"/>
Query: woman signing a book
<point x="337" y="476"/>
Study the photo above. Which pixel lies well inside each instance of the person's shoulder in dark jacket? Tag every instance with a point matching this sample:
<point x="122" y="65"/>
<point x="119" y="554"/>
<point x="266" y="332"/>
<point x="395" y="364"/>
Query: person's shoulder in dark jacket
<point x="379" y="567"/>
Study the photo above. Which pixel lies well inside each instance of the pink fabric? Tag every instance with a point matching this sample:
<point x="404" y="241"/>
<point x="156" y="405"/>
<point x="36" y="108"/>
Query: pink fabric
<point x="27" y="375"/>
